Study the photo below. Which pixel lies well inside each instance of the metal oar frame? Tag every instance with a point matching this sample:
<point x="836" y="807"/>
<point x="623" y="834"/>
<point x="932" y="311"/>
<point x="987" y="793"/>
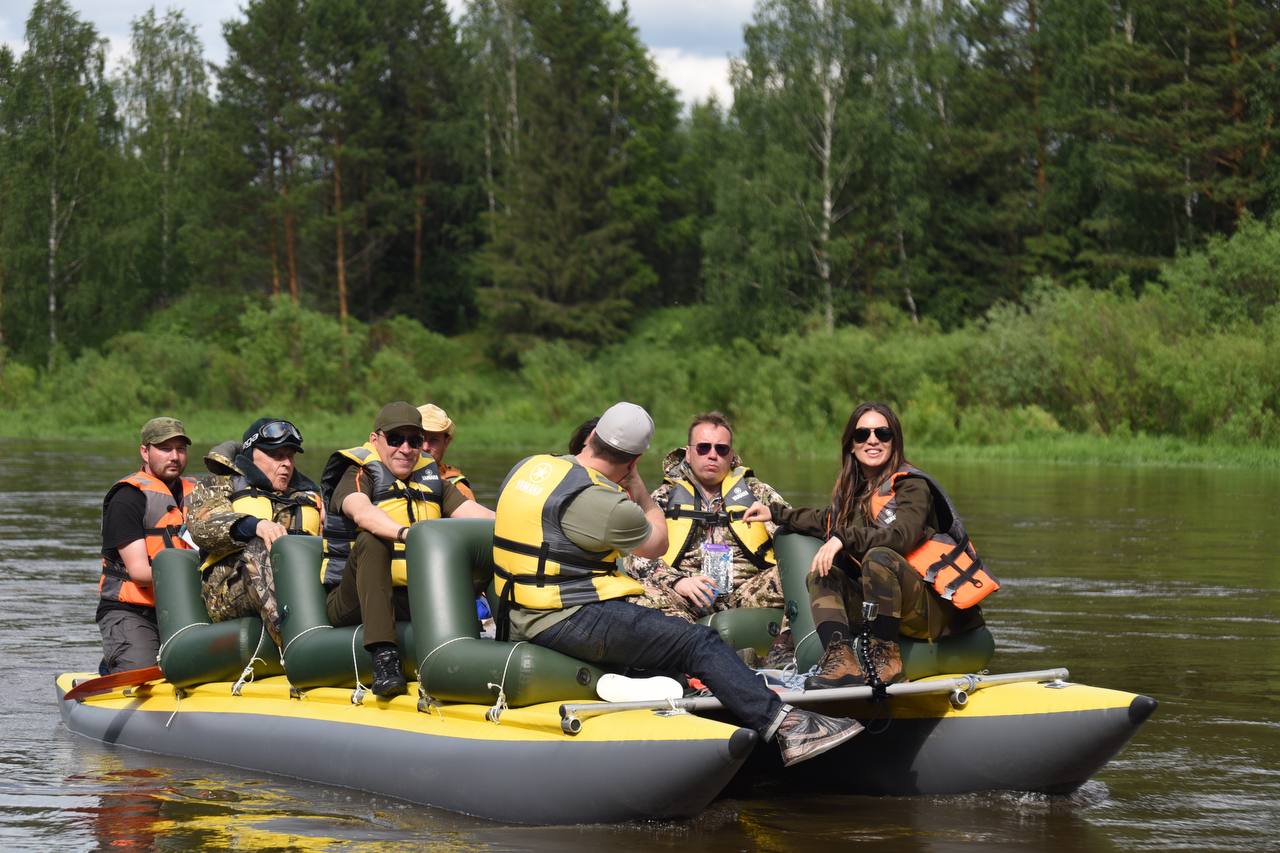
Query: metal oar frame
<point x="959" y="687"/>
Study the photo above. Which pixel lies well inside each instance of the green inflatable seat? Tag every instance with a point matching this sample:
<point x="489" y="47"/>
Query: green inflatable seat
<point x="450" y="561"/>
<point x="316" y="654"/>
<point x="194" y="650"/>
<point x="964" y="653"/>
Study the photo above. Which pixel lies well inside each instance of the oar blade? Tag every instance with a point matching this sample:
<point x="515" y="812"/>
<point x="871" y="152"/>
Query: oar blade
<point x="105" y="683"/>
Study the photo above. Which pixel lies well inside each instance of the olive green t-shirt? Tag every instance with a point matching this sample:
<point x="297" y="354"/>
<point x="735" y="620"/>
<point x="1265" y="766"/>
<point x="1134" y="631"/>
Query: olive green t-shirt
<point x="599" y="519"/>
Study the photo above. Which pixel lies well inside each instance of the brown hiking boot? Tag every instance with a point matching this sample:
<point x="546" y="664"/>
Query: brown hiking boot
<point x="803" y="734"/>
<point x="887" y="660"/>
<point x="838" y="668"/>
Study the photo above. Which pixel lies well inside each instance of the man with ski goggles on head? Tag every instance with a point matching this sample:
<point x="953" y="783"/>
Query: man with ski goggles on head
<point x="714" y="560"/>
<point x="373" y="493"/>
<point x="236" y="516"/>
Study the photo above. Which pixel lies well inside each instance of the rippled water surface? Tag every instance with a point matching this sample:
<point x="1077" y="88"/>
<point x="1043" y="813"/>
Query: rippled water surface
<point x="1164" y="582"/>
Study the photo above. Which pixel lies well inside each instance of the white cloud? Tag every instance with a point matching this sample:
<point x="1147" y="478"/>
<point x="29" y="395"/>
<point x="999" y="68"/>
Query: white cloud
<point x="690" y="39"/>
<point x="695" y="77"/>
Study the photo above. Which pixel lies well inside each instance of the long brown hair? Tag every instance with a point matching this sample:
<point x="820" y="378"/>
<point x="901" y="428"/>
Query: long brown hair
<point x="852" y="491"/>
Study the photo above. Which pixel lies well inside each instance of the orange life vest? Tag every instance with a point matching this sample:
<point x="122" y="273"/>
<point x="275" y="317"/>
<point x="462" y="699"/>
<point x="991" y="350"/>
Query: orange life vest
<point x="161" y="527"/>
<point x="947" y="560"/>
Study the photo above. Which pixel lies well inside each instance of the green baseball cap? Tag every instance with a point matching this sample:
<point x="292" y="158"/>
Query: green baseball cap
<point x="160" y="430"/>
<point x="396" y="415"/>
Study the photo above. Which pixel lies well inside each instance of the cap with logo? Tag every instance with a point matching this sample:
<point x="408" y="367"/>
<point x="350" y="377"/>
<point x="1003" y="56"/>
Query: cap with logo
<point x="397" y="415"/>
<point x="626" y="427"/>
<point x="271" y="434"/>
<point x="436" y="419"/>
<point x="160" y="430"/>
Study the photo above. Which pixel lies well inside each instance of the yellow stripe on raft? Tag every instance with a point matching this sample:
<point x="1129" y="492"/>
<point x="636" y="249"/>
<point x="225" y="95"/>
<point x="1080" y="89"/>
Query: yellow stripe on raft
<point x="1006" y="700"/>
<point x="270" y="697"/>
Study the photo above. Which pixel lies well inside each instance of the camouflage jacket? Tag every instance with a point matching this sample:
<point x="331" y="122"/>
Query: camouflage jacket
<point x="210" y="517"/>
<point x="657" y="572"/>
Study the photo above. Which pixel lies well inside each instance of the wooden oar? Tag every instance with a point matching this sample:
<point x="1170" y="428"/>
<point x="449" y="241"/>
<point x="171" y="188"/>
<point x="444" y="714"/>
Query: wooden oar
<point x="106" y="683"/>
<point x="571" y="715"/>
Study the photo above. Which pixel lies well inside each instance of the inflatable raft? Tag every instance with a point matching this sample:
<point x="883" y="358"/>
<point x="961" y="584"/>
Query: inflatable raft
<point x="514" y="732"/>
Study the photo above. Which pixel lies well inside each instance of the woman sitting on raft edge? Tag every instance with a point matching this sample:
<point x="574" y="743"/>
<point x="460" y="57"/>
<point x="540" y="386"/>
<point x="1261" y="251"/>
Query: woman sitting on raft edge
<point x="888" y="528"/>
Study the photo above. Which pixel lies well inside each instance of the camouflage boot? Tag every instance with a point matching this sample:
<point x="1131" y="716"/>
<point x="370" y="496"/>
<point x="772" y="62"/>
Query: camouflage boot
<point x="886" y="658"/>
<point x="782" y="653"/>
<point x="838" y="667"/>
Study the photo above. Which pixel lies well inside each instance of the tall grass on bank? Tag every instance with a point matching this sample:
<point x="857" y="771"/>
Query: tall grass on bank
<point x="1187" y="371"/>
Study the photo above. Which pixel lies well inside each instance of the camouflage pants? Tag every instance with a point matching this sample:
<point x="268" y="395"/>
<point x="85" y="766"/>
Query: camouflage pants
<point x="241" y="584"/>
<point x="760" y="590"/>
<point x="886" y="578"/>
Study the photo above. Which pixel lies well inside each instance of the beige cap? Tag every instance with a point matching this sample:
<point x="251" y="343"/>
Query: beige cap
<point x="436" y="419"/>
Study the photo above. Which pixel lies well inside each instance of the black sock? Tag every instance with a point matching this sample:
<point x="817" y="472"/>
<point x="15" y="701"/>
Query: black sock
<point x="885" y="627"/>
<point x="827" y="630"/>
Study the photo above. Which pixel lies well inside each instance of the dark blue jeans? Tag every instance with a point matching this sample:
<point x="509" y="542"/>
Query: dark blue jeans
<point x="624" y="634"/>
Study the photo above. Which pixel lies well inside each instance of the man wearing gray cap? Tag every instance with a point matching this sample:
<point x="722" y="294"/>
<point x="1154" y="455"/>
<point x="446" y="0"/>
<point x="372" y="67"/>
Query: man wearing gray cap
<point x="372" y="494"/>
<point x="142" y="514"/>
<point x="562" y="524"/>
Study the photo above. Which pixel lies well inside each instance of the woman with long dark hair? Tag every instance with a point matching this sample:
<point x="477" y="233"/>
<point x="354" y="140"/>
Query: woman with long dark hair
<point x="889" y="526"/>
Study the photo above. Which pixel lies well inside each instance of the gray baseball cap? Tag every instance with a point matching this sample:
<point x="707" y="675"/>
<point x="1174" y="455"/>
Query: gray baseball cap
<point x="160" y="430"/>
<point x="626" y="427"/>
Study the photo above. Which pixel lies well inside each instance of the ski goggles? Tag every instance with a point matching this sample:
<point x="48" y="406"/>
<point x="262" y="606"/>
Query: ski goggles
<point x="275" y="434"/>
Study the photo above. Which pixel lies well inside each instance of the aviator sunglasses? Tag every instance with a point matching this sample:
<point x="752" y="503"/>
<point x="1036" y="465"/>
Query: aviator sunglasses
<point x="395" y="439"/>
<point x="274" y="432"/>
<point x="861" y="434"/>
<point x="702" y="448"/>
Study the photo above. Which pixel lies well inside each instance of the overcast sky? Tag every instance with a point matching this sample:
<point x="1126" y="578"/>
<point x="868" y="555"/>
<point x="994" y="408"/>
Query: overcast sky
<point x="691" y="40"/>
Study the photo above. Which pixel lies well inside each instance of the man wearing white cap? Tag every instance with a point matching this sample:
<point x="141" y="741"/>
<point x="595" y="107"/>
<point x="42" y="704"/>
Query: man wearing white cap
<point x="562" y="524"/>
<point x="437" y="429"/>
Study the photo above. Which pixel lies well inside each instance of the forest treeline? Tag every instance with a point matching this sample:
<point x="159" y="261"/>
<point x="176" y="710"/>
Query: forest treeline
<point x="1022" y="216"/>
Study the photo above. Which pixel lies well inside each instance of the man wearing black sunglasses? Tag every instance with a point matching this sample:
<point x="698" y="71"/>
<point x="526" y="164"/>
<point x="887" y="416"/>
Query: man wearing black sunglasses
<point x="373" y="493"/>
<point x="236" y="517"/>
<point x="706" y="490"/>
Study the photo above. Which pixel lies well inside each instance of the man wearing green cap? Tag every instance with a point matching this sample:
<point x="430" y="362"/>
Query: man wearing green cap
<point x="142" y="514"/>
<point x="372" y="494"/>
<point x="235" y="518"/>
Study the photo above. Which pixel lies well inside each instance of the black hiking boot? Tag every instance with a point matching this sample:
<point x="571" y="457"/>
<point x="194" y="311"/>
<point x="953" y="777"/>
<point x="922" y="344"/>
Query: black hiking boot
<point x="839" y="667"/>
<point x="803" y="734"/>
<point x="388" y="680"/>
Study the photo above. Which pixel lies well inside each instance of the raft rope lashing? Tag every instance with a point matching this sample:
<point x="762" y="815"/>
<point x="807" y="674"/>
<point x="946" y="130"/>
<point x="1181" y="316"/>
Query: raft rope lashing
<point x="174" y="636"/>
<point x="494" y="714"/>
<point x="803" y="640"/>
<point x="301" y="634"/>
<point x="246" y="676"/>
<point x="178" y="693"/>
<point x="358" y="696"/>
<point x="425" y="702"/>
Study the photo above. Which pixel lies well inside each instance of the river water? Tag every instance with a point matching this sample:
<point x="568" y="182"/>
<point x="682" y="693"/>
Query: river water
<point x="1158" y="581"/>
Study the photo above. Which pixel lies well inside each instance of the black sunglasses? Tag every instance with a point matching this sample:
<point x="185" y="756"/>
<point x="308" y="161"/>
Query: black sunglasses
<point x="273" y="432"/>
<point x="395" y="439"/>
<point x="861" y="434"/>
<point x="702" y="448"/>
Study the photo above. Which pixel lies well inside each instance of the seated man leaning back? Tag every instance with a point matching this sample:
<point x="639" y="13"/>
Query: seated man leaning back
<point x="705" y="492"/>
<point x="235" y="517"/>
<point x="373" y="493"/>
<point x="562" y="524"/>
